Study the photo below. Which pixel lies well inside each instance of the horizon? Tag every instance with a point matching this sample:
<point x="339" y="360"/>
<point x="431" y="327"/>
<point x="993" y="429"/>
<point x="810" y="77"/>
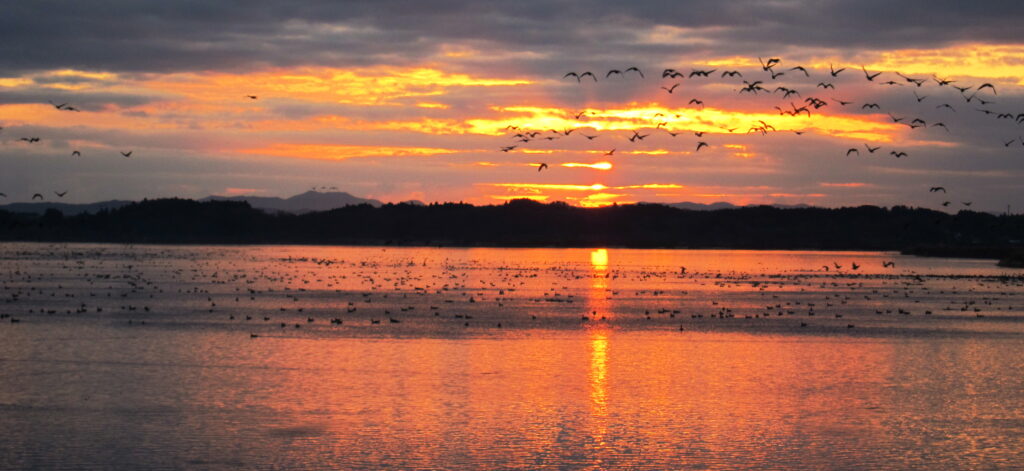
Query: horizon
<point x="405" y="106"/>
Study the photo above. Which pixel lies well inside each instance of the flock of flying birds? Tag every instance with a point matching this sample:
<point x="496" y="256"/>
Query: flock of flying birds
<point x="74" y="153"/>
<point x="980" y="96"/>
<point x="769" y="82"/>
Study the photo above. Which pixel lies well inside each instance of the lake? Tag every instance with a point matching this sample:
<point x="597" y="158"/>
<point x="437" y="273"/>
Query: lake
<point x="298" y="357"/>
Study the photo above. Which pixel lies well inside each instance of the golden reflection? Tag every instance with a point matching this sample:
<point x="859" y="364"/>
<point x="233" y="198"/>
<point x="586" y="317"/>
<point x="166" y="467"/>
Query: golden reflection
<point x="599" y="372"/>
<point x="599" y="260"/>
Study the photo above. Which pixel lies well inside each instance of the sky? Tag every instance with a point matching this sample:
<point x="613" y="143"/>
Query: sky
<point x="402" y="100"/>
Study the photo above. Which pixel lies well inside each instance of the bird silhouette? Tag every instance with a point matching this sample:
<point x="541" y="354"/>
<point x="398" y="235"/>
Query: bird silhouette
<point x="542" y="166"/>
<point x="670" y="89"/>
<point x="701" y="144"/>
<point x="898" y="154"/>
<point x="835" y="72"/>
<point x="76" y="153"/>
<point x="870" y="77"/>
<point x="637" y="70"/>
<point x="251" y="97"/>
<point x="37" y="195"/>
<point x="852" y="150"/>
<point x="888" y="264"/>
<point x="871" y="150"/>
<point x="127" y="154"/>
<point x="936" y="189"/>
<point x="60" y="194"/>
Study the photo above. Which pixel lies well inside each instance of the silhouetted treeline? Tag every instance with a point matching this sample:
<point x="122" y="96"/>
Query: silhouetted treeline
<point x="524" y="223"/>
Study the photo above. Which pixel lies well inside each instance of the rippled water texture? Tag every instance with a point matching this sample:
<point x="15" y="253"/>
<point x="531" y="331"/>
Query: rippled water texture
<point x="226" y="358"/>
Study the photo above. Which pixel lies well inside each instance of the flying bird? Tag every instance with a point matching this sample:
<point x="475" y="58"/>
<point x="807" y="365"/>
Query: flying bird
<point x="870" y="106"/>
<point x="127" y="154"/>
<point x="852" y="150"/>
<point x="898" y="154"/>
<point x="542" y="166"/>
<point x="871" y="150"/>
<point x="936" y="189"/>
<point x="670" y="89"/>
<point x="37" y="195"/>
<point x="59" y="194"/>
<point x="801" y="69"/>
<point x="834" y="72"/>
<point x="870" y="77"/>
<point x="888" y="264"/>
<point x="701" y="144"/>
<point x="76" y="153"/>
<point x="251" y="97"/>
<point x="637" y="70"/>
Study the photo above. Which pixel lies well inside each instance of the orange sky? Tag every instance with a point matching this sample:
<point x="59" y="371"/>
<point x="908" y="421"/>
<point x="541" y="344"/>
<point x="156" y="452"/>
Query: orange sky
<point x="458" y="128"/>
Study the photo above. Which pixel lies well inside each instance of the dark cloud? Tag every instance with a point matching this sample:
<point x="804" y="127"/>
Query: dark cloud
<point x="159" y="36"/>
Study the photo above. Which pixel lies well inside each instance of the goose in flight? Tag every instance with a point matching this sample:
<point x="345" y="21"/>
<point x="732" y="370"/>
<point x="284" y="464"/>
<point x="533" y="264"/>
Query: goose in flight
<point x="936" y="189"/>
<point x="870" y="77"/>
<point x="542" y="166"/>
<point x="127" y="154"/>
<point x="834" y="71"/>
<point x="701" y="144"/>
<point x="637" y="70"/>
<point x="60" y="194"/>
<point x="670" y="89"/>
<point x="801" y="69"/>
<point x="37" y="195"/>
<point x="871" y="150"/>
<point x="76" y="153"/>
<point x="852" y="150"/>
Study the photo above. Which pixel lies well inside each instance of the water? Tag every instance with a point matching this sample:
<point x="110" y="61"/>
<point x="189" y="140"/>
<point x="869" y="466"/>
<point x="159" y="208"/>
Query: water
<point x="128" y="357"/>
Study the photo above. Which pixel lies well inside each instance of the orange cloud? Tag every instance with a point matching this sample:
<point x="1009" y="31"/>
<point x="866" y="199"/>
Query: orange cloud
<point x="597" y="166"/>
<point x="340" y="152"/>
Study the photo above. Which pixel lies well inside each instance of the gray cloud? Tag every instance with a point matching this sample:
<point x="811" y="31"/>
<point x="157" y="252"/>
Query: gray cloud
<point x="157" y="36"/>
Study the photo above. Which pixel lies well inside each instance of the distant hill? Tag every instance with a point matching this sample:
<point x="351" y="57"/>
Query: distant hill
<point x="723" y="205"/>
<point x="308" y="202"/>
<point x="68" y="209"/>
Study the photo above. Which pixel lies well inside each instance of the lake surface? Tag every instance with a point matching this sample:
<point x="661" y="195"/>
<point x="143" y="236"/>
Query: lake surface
<point x="168" y="357"/>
